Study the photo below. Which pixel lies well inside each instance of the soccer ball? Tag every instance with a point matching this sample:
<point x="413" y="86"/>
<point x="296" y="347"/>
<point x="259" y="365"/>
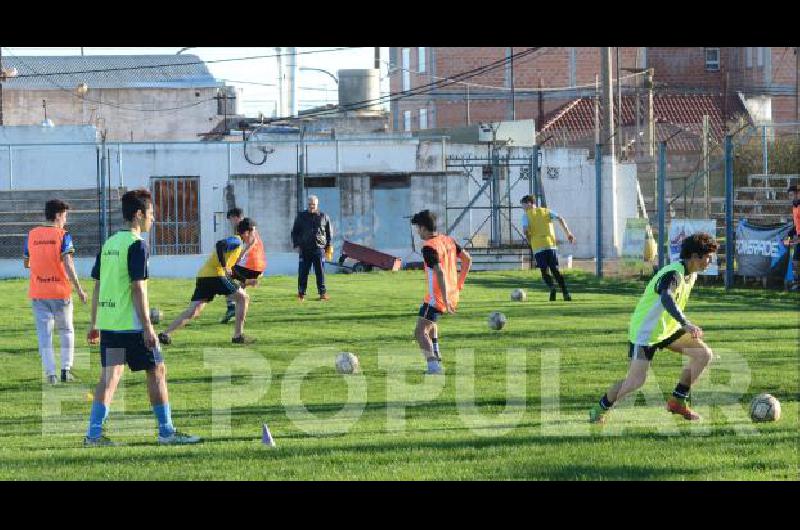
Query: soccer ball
<point x="497" y="320"/>
<point x="347" y="363"/>
<point x="519" y="295"/>
<point x="765" y="407"/>
<point x="155" y="315"/>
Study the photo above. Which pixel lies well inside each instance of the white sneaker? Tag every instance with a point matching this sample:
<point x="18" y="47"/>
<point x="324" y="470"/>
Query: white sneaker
<point x="178" y="438"/>
<point x="52" y="380"/>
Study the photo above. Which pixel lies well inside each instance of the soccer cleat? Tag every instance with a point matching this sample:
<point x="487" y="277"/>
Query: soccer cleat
<point x="243" y="339"/>
<point x="324" y="297"/>
<point x="165" y="339"/>
<point x="101" y="441"/>
<point x="178" y="438"/>
<point x="553" y="293"/>
<point x="301" y="297"/>
<point x="677" y="406"/>
<point x="229" y="314"/>
<point x="597" y="414"/>
<point x="52" y="380"/>
<point x="567" y="297"/>
<point x="434" y="369"/>
<point x="67" y="377"/>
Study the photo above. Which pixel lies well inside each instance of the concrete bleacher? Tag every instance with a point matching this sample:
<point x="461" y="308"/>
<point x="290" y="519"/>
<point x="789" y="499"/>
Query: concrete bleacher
<point x="22" y="210"/>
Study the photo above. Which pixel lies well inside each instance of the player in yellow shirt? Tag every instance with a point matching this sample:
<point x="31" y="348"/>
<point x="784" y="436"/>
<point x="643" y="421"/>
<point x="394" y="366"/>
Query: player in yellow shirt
<point x="215" y="278"/>
<point x="537" y="224"/>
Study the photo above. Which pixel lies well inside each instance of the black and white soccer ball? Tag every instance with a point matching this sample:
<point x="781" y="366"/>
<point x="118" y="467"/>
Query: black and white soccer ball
<point x="519" y="295"/>
<point x="765" y="407"/>
<point x="347" y="363"/>
<point x="496" y="320"/>
<point x="156" y="315"/>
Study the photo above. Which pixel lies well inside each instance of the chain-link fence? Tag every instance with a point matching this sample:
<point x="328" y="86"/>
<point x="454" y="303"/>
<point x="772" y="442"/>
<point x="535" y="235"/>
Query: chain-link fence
<point x="736" y="188"/>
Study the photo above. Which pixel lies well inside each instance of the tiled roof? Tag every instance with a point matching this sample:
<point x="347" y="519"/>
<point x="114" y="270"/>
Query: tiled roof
<point x="573" y="123"/>
<point x="108" y="71"/>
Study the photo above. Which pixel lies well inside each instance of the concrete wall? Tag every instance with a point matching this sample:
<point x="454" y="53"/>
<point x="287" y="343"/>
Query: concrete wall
<point x="127" y="113"/>
<point x="267" y="192"/>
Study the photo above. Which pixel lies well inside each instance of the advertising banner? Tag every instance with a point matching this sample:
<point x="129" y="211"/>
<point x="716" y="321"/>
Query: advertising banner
<point x="760" y="250"/>
<point x="680" y="229"/>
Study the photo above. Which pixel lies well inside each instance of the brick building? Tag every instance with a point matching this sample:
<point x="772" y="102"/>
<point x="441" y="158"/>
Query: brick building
<point x="765" y="76"/>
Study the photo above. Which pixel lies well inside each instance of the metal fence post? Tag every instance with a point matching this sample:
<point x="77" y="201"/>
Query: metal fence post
<point x="729" y="234"/>
<point x="598" y="181"/>
<point x="764" y="151"/>
<point x="662" y="178"/>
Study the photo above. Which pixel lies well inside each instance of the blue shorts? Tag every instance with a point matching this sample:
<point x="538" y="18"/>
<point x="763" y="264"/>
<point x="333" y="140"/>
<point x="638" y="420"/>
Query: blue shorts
<point x="429" y="312"/>
<point x="546" y="258"/>
<point x="127" y="348"/>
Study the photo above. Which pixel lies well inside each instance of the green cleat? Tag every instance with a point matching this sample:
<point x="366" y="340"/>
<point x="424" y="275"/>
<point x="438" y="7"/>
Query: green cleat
<point x="597" y="414"/>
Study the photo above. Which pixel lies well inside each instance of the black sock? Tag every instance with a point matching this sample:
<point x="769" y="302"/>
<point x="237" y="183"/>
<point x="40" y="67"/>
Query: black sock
<point x="547" y="279"/>
<point x="681" y="391"/>
<point x="560" y="279"/>
<point x="231" y="306"/>
<point x="605" y="403"/>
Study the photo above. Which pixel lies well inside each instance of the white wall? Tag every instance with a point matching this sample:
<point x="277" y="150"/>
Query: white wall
<point x="571" y="194"/>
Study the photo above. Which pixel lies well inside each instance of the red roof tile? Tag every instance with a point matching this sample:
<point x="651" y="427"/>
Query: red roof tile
<point x="573" y="123"/>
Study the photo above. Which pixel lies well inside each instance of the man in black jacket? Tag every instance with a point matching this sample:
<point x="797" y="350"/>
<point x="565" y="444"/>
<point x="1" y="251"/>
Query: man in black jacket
<point x="311" y="236"/>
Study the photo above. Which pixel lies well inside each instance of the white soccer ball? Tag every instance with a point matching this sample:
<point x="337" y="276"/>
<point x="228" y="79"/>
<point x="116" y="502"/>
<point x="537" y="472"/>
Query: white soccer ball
<point x="765" y="407"/>
<point x="155" y="315"/>
<point x="519" y="295"/>
<point x="496" y="320"/>
<point x="347" y="363"/>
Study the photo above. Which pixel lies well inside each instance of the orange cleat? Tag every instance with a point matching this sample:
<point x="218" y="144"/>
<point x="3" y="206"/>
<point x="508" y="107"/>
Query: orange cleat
<point x="325" y="297"/>
<point x="301" y="297"/>
<point x="676" y="406"/>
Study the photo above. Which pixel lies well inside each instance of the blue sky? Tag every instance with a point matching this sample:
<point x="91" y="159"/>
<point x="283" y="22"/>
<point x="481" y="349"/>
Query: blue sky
<point x="315" y="88"/>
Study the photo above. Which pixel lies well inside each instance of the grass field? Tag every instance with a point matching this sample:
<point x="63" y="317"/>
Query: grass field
<point x="565" y="356"/>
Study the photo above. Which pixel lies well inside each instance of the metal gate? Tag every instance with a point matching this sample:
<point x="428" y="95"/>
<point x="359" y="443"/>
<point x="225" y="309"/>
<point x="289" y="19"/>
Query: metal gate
<point x="487" y="186"/>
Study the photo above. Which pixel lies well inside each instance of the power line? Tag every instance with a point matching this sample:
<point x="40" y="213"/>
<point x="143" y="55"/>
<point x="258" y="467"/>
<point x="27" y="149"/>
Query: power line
<point x="186" y="63"/>
<point x="83" y="98"/>
<point x="423" y="89"/>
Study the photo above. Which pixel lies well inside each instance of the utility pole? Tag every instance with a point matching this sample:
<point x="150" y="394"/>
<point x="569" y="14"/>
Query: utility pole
<point x="651" y="127"/>
<point x="513" y="95"/>
<point x="596" y="112"/>
<point x="706" y="190"/>
<point x="607" y="138"/>
<point x="467" y="89"/>
<point x="618" y="128"/>
<point x="1" y="86"/>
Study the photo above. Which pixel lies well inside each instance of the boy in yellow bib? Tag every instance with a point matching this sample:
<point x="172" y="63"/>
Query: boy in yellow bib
<point x="537" y="225"/>
<point x="658" y="322"/>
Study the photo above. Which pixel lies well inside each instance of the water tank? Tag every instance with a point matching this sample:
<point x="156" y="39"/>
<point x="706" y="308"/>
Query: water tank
<point x="227" y="102"/>
<point x="357" y="87"/>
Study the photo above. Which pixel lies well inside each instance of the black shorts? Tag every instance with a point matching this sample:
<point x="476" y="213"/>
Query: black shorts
<point x="242" y="274"/>
<point x="638" y="351"/>
<point x="428" y="312"/>
<point x="205" y="289"/>
<point x="120" y="348"/>
<point x="546" y="259"/>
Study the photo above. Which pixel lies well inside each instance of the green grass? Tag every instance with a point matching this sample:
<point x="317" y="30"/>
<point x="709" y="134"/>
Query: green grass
<point x="372" y="314"/>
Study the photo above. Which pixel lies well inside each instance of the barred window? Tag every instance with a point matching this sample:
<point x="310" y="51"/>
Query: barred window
<point x="176" y="206"/>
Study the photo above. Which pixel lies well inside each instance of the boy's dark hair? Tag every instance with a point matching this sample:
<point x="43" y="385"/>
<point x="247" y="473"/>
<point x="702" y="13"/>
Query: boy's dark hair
<point x="234" y="212"/>
<point x="527" y="199"/>
<point x="245" y="225"/>
<point x="793" y="187"/>
<point x="134" y="201"/>
<point x="53" y="208"/>
<point x="425" y="218"/>
<point x="699" y="243"/>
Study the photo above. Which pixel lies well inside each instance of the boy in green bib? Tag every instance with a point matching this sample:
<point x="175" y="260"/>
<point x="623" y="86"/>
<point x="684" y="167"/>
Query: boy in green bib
<point x="121" y="321"/>
<point x="658" y="322"/>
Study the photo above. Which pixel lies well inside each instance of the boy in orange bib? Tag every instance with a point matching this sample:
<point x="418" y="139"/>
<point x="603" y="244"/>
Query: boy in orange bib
<point x="48" y="253"/>
<point x="439" y="253"/>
